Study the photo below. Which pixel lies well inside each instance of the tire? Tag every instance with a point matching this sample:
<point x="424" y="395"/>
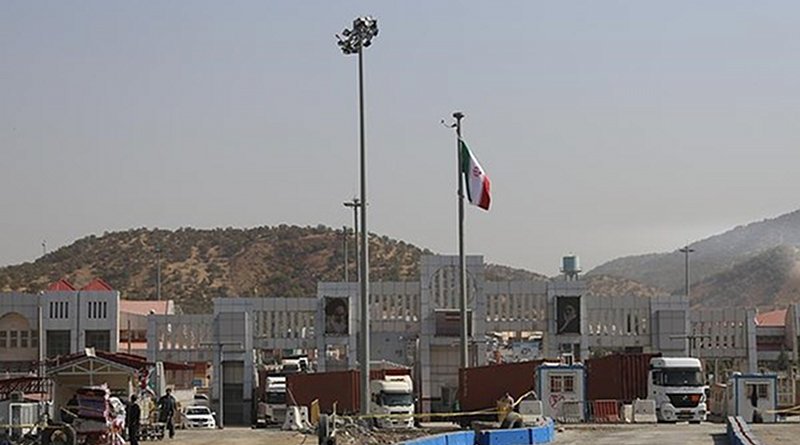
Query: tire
<point x="323" y="430"/>
<point x="58" y="435"/>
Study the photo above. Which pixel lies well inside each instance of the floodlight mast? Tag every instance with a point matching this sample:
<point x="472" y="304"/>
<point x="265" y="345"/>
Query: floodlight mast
<point x="353" y="41"/>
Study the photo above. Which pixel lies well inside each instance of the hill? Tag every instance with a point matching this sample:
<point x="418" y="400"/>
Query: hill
<point x="199" y="265"/>
<point x="768" y="280"/>
<point x="714" y="255"/>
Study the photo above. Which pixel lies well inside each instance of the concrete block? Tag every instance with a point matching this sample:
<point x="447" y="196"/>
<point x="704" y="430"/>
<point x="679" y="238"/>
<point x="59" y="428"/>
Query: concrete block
<point x="644" y="411"/>
<point x="627" y="413"/>
<point x="531" y="408"/>
<point x="571" y="411"/>
<point x="518" y="436"/>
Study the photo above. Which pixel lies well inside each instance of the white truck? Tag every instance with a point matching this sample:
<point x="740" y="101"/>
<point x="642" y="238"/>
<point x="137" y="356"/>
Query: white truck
<point x="393" y="397"/>
<point x="272" y="408"/>
<point x="677" y="386"/>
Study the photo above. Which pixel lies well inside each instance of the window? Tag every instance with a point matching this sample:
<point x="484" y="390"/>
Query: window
<point x="100" y="340"/>
<point x="555" y="383"/>
<point x="3" y="339"/>
<point x="34" y="339"/>
<point x="23" y="339"/>
<point x="562" y="383"/>
<point x="59" y="309"/>
<point x="58" y="343"/>
<point x="13" y="343"/>
<point x="96" y="309"/>
<point x="762" y="390"/>
<point x="569" y="383"/>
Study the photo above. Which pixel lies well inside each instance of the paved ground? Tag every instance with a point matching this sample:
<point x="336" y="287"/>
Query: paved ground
<point x="660" y="434"/>
<point x="777" y="433"/>
<point x="237" y="436"/>
<point x="652" y="434"/>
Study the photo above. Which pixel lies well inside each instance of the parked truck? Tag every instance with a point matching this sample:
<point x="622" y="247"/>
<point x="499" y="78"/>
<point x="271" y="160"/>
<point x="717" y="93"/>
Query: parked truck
<point x="272" y="407"/>
<point x="677" y="386"/>
<point x="392" y="400"/>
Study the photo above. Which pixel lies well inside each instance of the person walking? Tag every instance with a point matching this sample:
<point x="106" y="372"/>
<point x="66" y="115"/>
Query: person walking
<point x="132" y="418"/>
<point x="166" y="411"/>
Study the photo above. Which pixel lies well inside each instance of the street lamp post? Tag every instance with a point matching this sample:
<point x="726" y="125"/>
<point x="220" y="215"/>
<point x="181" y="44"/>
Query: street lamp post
<point x="355" y="204"/>
<point x="353" y="41"/>
<point x="158" y="272"/>
<point x="686" y="251"/>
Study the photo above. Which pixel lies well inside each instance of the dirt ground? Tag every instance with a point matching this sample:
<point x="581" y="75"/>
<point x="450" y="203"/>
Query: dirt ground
<point x="237" y="436"/>
<point x="648" y="434"/>
<point x="777" y="433"/>
<point x="658" y="434"/>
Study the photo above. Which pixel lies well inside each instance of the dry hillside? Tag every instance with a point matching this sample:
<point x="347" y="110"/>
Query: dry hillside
<point x="199" y="265"/>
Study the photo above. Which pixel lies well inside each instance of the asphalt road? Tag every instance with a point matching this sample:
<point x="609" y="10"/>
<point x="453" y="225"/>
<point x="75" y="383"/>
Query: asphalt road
<point x="646" y="434"/>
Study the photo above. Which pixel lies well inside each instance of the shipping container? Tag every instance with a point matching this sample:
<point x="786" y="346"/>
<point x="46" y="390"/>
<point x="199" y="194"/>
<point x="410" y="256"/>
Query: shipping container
<point x="620" y="377"/>
<point x="480" y="387"/>
<point x="340" y="387"/>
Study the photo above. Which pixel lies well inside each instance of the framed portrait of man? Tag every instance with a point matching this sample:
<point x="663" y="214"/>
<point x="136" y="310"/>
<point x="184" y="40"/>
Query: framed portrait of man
<point x="568" y="315"/>
<point x="337" y="318"/>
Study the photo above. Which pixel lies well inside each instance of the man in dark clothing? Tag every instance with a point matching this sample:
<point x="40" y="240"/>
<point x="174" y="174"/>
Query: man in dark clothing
<point x="132" y="418"/>
<point x="166" y="411"/>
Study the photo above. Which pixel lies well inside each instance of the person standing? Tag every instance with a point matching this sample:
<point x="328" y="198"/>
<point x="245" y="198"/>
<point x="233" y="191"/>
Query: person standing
<point x="166" y="411"/>
<point x="132" y="418"/>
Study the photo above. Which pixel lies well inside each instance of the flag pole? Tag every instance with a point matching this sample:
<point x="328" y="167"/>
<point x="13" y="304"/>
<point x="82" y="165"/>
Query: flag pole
<point x="462" y="288"/>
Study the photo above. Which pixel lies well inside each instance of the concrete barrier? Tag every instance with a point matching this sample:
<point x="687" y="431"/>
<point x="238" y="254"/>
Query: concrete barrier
<point x="532" y="411"/>
<point x="296" y="418"/>
<point x="571" y="411"/>
<point x="627" y="413"/>
<point x="739" y="432"/>
<point x="644" y="411"/>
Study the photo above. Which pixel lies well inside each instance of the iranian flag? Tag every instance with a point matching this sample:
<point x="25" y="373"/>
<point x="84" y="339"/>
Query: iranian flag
<point x="478" y="183"/>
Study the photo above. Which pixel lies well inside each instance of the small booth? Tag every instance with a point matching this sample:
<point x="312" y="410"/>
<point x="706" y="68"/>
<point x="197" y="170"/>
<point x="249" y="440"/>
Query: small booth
<point x="562" y="390"/>
<point x="754" y="397"/>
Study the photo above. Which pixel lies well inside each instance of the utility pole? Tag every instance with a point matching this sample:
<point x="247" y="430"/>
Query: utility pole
<point x="346" y="261"/>
<point x="158" y="272"/>
<point x="686" y="251"/>
<point x="355" y="204"/>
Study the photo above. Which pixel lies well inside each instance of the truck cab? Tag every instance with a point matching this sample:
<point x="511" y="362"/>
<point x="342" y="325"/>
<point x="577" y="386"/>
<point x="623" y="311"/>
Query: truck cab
<point x="272" y="409"/>
<point x="393" y="396"/>
<point x="677" y="386"/>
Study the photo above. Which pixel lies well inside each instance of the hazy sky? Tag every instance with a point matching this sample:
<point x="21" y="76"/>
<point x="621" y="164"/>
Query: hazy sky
<point x="607" y="128"/>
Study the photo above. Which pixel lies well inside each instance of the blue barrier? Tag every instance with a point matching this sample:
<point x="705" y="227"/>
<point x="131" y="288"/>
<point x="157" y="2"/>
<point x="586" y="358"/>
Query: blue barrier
<point x="543" y="434"/>
<point x="461" y="438"/>
<point x="439" y="439"/>
<point x="518" y="436"/>
<point x="739" y="432"/>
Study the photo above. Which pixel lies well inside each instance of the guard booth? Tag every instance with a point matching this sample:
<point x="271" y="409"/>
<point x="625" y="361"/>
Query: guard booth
<point x="754" y="397"/>
<point x="562" y="390"/>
